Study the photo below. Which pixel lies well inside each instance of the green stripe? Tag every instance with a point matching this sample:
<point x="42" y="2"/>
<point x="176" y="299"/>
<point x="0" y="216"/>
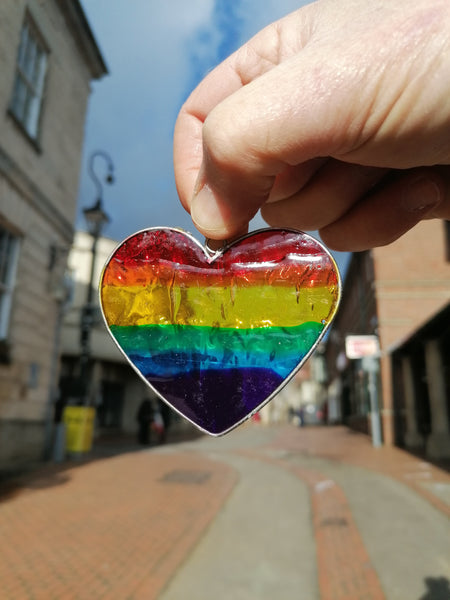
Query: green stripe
<point x="148" y="340"/>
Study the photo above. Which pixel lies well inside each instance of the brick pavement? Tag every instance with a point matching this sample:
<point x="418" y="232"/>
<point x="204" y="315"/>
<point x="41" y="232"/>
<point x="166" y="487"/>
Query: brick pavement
<point x="343" y="565"/>
<point x="119" y="528"/>
<point x="344" y="568"/>
<point x="115" y="529"/>
<point x="347" y="446"/>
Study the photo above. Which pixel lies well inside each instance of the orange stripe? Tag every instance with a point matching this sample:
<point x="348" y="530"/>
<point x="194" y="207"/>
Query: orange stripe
<point x="169" y="274"/>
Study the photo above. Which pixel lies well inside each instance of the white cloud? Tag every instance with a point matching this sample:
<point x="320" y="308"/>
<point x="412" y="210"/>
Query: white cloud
<point x="155" y="52"/>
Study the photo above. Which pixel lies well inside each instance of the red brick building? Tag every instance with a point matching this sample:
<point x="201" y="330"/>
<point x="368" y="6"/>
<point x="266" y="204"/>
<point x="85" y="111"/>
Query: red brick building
<point x="401" y="294"/>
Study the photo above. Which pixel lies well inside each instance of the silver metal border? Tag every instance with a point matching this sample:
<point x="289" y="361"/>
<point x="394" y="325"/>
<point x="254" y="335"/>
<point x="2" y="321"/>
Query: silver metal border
<point x="211" y="256"/>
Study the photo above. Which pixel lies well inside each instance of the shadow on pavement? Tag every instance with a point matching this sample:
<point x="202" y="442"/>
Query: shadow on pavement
<point x="51" y="474"/>
<point x="111" y="444"/>
<point x="438" y="588"/>
<point x="440" y="463"/>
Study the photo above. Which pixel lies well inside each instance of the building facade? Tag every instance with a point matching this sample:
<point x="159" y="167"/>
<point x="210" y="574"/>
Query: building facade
<point x="48" y="57"/>
<point x="113" y="387"/>
<point x="303" y="400"/>
<point x="401" y="294"/>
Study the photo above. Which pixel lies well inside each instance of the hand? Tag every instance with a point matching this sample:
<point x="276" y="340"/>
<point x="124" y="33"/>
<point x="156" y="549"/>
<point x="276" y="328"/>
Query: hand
<point x="335" y="118"/>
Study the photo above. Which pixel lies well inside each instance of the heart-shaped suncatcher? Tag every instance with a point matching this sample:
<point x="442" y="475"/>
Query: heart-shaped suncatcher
<point x="217" y="334"/>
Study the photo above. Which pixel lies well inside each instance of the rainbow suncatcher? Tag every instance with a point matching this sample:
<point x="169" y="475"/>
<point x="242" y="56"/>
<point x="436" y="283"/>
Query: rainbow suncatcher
<point x="217" y="334"/>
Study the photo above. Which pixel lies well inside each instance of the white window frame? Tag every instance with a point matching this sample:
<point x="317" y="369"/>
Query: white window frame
<point x="9" y="253"/>
<point x="29" y="82"/>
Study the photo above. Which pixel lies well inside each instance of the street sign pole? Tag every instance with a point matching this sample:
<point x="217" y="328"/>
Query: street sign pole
<point x="374" y="410"/>
<point x="367" y="348"/>
<point x="370" y="366"/>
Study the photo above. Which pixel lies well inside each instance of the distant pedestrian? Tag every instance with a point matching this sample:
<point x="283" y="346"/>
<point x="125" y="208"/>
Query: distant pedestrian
<point x="325" y="413"/>
<point x="144" y="418"/>
<point x="166" y="415"/>
<point x="301" y="416"/>
<point x="158" y="427"/>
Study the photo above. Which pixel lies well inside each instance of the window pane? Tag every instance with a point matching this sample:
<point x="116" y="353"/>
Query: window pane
<point x="23" y="45"/>
<point x="30" y="59"/>
<point x="19" y="98"/>
<point x="32" y="119"/>
<point x="35" y="97"/>
<point x="39" y="75"/>
<point x="26" y="101"/>
<point x="8" y="256"/>
<point x="2" y="255"/>
<point x="3" y="320"/>
<point x="5" y="255"/>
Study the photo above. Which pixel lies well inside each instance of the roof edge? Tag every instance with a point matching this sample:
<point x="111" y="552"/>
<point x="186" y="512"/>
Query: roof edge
<point x="82" y="32"/>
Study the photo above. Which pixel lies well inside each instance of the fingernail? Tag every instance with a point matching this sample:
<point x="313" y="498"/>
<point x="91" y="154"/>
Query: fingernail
<point x="205" y="211"/>
<point x="421" y="195"/>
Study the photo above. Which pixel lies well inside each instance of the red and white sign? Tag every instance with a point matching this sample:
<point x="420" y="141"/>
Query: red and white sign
<point x="360" y="346"/>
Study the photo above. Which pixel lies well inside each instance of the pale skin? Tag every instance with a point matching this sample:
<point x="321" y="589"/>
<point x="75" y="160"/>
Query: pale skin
<point x="335" y="118"/>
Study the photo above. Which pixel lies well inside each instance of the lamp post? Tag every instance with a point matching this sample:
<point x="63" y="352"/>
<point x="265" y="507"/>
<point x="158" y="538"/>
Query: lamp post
<point x="96" y="219"/>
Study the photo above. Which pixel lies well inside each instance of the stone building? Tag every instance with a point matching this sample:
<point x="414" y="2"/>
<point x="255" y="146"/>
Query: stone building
<point x="48" y="57"/>
<point x="114" y="388"/>
<point x="401" y="294"/>
<point x="304" y="398"/>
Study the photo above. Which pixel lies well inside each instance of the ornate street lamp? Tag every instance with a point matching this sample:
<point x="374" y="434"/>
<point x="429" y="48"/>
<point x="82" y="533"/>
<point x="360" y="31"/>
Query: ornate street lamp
<point x="96" y="219"/>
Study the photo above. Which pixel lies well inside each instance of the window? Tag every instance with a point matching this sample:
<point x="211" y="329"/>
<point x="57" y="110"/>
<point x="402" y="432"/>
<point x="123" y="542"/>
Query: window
<point x="9" y="245"/>
<point x="31" y="66"/>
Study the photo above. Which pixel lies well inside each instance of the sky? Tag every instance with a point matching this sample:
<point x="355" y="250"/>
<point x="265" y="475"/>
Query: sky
<point x="156" y="53"/>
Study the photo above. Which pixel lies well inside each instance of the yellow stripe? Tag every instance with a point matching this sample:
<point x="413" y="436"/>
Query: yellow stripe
<point x="255" y="306"/>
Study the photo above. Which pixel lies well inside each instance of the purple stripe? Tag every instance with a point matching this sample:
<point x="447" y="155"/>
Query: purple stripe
<point x="216" y="400"/>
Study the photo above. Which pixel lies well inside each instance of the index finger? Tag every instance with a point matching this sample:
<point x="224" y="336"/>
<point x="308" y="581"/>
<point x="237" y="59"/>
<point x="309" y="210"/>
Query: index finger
<point x="259" y="55"/>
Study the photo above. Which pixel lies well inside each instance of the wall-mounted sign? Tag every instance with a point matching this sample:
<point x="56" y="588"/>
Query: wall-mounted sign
<point x="360" y="346"/>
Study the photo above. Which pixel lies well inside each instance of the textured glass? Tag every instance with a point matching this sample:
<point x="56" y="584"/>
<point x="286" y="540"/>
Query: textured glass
<point x="217" y="334"/>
